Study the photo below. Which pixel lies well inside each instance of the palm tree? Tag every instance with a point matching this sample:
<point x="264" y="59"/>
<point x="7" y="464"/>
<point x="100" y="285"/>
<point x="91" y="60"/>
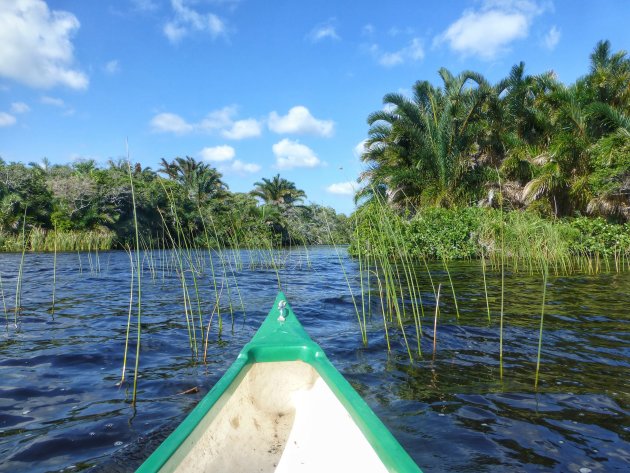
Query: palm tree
<point x="201" y="181"/>
<point x="609" y="77"/>
<point x="422" y="148"/>
<point x="278" y="191"/>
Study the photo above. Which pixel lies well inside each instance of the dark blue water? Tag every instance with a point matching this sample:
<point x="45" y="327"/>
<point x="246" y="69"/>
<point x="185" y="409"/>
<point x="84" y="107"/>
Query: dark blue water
<point x="61" y="408"/>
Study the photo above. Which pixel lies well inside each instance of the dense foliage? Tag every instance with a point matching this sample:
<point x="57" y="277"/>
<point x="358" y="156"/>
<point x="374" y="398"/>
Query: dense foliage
<point x="528" y="167"/>
<point x="558" y="150"/>
<point x="89" y="206"/>
<point x="475" y="232"/>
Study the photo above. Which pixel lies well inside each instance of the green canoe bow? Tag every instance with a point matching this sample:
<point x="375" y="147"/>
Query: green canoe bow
<point x="280" y="338"/>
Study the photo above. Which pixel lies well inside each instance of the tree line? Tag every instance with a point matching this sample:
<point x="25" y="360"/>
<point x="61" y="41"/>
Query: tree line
<point x="528" y="142"/>
<point x="184" y="197"/>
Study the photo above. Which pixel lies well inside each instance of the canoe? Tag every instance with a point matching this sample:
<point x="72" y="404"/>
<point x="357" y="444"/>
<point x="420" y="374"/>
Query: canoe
<point x="281" y="407"/>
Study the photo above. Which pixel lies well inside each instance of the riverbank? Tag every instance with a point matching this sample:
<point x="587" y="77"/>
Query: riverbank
<point x="523" y="239"/>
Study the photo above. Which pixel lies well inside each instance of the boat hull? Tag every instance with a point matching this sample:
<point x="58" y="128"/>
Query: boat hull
<point x="281" y="407"/>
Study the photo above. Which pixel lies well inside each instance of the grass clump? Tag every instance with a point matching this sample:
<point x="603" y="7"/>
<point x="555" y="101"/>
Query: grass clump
<point x="523" y="239"/>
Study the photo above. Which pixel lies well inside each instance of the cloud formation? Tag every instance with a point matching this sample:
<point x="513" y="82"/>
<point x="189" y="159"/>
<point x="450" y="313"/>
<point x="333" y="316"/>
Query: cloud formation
<point x="242" y="129"/>
<point x="170" y="123"/>
<point x="6" y="119"/>
<point x="186" y="20"/>
<point x="324" y="31"/>
<point x="412" y="52"/>
<point x="300" y="121"/>
<point x="359" y="149"/>
<point x="239" y="167"/>
<point x="55" y="102"/>
<point x="552" y="38"/>
<point x="112" y="67"/>
<point x="488" y="31"/>
<point x="218" y="121"/>
<point x="20" y="107"/>
<point x="224" y="157"/>
<point x="36" y="47"/>
<point x="342" y="188"/>
<point x="218" y="153"/>
<point x="292" y="154"/>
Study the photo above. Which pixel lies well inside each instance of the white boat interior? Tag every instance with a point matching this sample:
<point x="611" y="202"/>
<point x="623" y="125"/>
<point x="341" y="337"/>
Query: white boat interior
<point x="277" y="417"/>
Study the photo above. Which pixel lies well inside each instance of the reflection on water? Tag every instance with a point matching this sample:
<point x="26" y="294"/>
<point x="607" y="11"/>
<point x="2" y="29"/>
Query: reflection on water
<point x="61" y="408"/>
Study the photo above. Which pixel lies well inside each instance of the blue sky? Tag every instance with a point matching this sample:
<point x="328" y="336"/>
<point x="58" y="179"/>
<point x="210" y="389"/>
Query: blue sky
<point x="256" y="87"/>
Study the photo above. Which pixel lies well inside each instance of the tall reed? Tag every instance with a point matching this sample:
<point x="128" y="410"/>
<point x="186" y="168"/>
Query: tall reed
<point x="362" y="327"/>
<point x="450" y="280"/>
<point x="4" y="302"/>
<point x="18" y="286"/>
<point x="132" y="271"/>
<point x="54" y="281"/>
<point x="485" y="285"/>
<point x="542" y="319"/>
<point x="139" y="283"/>
<point x="502" y="280"/>
<point x="435" y="319"/>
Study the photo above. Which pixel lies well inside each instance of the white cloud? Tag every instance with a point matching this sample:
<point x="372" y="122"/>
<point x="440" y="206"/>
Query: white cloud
<point x="112" y="67"/>
<point x="20" y="107"/>
<point x="323" y="31"/>
<point x="413" y="52"/>
<point x="244" y="168"/>
<point x="187" y="19"/>
<point x="241" y="129"/>
<point x="55" y="102"/>
<point x="299" y="120"/>
<point x="489" y="31"/>
<point x="360" y="148"/>
<point x="36" y="47"/>
<point x="218" y="153"/>
<point x="342" y="188"/>
<point x="552" y="38"/>
<point x="218" y="119"/>
<point x="6" y="119"/>
<point x="293" y="154"/>
<point x="170" y="123"/>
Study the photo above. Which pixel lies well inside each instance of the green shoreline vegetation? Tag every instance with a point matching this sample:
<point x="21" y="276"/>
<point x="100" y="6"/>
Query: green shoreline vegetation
<point x="449" y="170"/>
<point x="524" y="175"/>
<point x="528" y="169"/>
<point x="84" y="207"/>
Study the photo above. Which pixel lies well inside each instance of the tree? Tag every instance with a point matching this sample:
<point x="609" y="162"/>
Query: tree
<point x="278" y="191"/>
<point x="23" y="191"/>
<point x="201" y="181"/>
<point x="422" y="149"/>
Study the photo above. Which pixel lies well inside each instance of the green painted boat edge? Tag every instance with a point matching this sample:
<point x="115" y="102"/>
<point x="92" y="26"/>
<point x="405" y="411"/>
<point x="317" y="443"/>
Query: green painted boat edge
<point x="288" y="341"/>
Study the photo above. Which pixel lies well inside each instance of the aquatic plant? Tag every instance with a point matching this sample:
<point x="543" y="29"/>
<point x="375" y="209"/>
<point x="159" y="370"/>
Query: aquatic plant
<point x="540" y="332"/>
<point x="18" y="285"/>
<point x="139" y="285"/>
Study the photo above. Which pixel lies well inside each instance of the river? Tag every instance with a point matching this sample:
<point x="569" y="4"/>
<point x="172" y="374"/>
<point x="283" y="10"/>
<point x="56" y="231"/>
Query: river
<point x="62" y="409"/>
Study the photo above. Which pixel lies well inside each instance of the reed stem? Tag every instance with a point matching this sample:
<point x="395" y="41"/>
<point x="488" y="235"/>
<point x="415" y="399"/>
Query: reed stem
<point x="54" y="288"/>
<point x="435" y="318"/>
<point x="542" y="319"/>
<point x="18" y="286"/>
<point x="131" y="267"/>
<point x="139" y="284"/>
<point x="485" y="285"/>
